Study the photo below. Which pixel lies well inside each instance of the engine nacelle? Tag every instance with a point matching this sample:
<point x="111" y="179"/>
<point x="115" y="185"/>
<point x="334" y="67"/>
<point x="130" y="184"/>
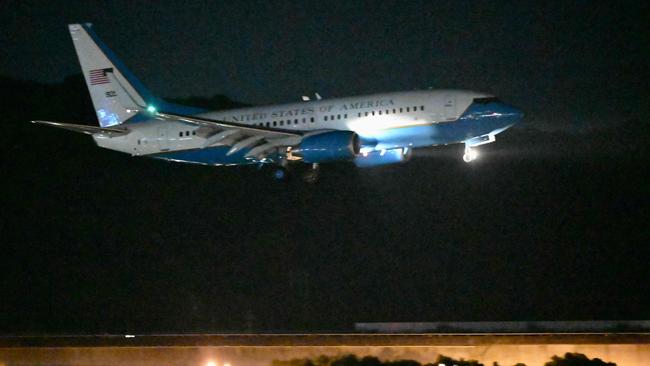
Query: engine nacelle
<point x="328" y="146"/>
<point x="385" y="157"/>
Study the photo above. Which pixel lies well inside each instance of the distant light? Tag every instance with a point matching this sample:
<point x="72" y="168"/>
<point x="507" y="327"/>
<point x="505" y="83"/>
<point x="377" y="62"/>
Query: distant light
<point x="151" y="109"/>
<point x="129" y="336"/>
<point x="226" y="364"/>
<point x="211" y="363"/>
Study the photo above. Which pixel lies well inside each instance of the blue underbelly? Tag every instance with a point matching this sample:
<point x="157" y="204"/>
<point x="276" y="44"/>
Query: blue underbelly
<point x="211" y="156"/>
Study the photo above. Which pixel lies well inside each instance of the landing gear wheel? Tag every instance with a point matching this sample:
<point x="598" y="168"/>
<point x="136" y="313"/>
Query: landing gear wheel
<point x="280" y="173"/>
<point x="311" y="176"/>
<point x="470" y="154"/>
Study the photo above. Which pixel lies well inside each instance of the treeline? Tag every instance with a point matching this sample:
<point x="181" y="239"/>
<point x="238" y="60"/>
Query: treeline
<point x="569" y="359"/>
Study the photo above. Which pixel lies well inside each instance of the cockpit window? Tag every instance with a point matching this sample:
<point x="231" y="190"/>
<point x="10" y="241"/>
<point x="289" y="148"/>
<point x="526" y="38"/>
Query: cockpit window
<point x="486" y="100"/>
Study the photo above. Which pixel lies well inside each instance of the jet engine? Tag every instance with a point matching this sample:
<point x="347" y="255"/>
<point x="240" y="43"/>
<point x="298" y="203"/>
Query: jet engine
<point x="383" y="157"/>
<point x="328" y="146"/>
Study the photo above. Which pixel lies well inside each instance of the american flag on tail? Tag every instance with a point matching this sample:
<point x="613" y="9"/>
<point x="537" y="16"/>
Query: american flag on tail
<point x="98" y="76"/>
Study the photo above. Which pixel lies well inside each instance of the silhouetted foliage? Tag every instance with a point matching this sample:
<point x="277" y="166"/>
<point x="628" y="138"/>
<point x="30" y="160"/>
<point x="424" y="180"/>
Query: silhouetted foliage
<point x="448" y="361"/>
<point x="569" y="359"/>
<point x="577" y="359"/>
<point x="352" y="360"/>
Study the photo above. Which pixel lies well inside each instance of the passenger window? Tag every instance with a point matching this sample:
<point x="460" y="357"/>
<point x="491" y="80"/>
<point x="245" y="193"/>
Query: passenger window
<point x="401" y="110"/>
<point x="388" y="111"/>
<point x="295" y="121"/>
<point x="380" y="113"/>
<point x="338" y="116"/>
<point x="187" y="133"/>
<point x="394" y="111"/>
<point x="304" y="120"/>
<point x="275" y="123"/>
<point x="407" y="109"/>
<point x="193" y="133"/>
<point x="345" y="116"/>
<point x="373" y="113"/>
<point x="180" y="134"/>
<point x="421" y="107"/>
<point x="312" y="119"/>
<point x="325" y="118"/>
<point x="366" y="114"/>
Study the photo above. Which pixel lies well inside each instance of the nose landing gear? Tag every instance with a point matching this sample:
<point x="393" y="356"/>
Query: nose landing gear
<point x="470" y="154"/>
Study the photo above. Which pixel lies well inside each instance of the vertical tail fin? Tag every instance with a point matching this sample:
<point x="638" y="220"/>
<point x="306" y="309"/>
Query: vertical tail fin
<point x="107" y="78"/>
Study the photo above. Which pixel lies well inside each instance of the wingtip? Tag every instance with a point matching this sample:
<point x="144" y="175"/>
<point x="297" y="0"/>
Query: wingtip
<point x="76" y="26"/>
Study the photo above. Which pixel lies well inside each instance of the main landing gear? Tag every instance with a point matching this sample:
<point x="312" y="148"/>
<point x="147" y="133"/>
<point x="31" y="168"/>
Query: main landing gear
<point x="280" y="173"/>
<point x="470" y="154"/>
<point x="310" y="175"/>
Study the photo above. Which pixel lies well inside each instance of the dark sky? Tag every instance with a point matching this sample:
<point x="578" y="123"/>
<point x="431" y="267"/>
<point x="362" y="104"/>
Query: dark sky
<point x="566" y="64"/>
<point x="545" y="226"/>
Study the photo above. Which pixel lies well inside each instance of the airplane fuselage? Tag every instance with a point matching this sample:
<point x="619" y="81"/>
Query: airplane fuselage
<point x="369" y="130"/>
<point x="400" y="120"/>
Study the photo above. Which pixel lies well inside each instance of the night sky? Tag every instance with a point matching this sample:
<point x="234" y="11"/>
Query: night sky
<point x="551" y="222"/>
<point x="567" y="64"/>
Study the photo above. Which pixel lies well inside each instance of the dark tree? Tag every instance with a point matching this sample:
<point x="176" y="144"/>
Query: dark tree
<point x="577" y="359"/>
<point x="448" y="361"/>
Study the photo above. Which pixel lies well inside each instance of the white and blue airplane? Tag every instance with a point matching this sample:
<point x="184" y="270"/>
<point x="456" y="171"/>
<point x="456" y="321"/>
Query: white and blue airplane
<point x="368" y="130"/>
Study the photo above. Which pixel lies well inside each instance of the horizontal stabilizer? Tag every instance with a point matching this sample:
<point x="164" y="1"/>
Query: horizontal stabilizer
<point x="88" y="130"/>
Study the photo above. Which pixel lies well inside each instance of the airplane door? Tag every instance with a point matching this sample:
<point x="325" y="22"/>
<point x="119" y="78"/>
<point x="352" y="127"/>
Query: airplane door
<point x="163" y="138"/>
<point x="450" y="107"/>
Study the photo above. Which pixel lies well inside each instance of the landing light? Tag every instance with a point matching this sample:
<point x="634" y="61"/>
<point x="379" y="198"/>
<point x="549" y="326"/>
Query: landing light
<point x="151" y="109"/>
<point x="473" y="154"/>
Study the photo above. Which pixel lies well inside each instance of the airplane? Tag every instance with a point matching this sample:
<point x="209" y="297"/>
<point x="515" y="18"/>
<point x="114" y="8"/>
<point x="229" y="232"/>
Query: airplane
<point x="368" y="130"/>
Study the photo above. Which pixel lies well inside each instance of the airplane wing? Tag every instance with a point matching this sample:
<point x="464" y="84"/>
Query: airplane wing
<point x="88" y="130"/>
<point x="261" y="140"/>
